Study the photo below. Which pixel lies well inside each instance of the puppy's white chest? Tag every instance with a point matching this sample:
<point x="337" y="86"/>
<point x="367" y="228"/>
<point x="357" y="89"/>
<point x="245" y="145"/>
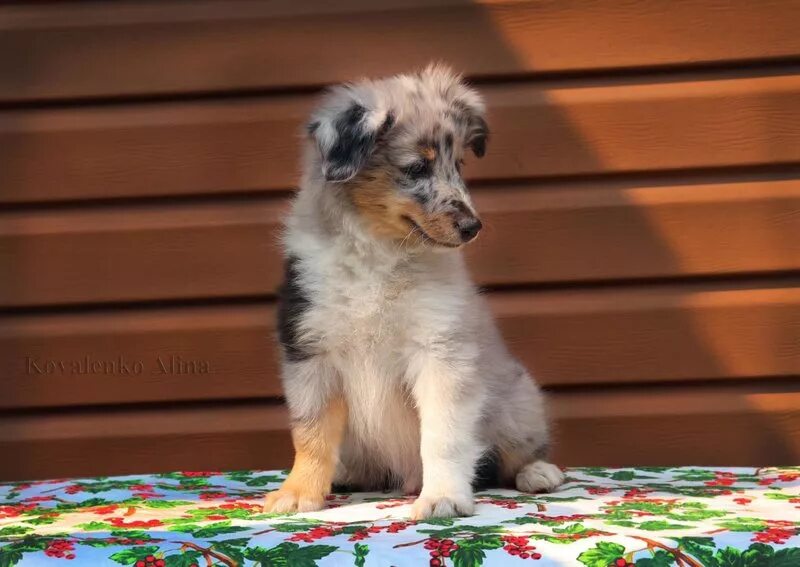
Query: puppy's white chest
<point x="364" y="319"/>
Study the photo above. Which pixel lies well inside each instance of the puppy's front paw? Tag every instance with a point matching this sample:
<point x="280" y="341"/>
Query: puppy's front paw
<point x="442" y="506"/>
<point x="287" y="500"/>
<point x="539" y="476"/>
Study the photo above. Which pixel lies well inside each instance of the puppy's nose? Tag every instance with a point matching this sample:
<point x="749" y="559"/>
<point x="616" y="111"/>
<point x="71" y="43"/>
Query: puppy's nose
<point x="468" y="227"/>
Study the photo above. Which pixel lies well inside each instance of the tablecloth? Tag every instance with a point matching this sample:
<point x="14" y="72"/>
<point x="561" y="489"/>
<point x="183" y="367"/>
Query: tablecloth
<point x="647" y="517"/>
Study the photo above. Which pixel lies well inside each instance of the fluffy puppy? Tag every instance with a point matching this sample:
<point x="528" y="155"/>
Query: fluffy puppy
<point x="393" y="368"/>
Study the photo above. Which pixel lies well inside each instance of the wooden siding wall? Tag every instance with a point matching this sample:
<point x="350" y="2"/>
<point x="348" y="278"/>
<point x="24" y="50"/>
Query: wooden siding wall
<point x="641" y="195"/>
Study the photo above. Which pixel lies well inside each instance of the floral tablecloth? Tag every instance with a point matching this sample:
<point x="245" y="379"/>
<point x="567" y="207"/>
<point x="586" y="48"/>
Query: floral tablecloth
<point x="647" y="517"/>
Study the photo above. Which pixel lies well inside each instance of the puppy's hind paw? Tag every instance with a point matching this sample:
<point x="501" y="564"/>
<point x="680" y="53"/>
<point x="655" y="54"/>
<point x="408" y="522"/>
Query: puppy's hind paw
<point x="539" y="476"/>
<point x="442" y="507"/>
<point x="288" y="501"/>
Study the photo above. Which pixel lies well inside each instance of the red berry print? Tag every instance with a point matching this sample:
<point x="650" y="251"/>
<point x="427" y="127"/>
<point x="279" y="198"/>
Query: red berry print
<point x="151" y="561"/>
<point x="439" y="548"/>
<point x="15" y="510"/>
<point x="61" y="549"/>
<point x="394" y="503"/>
<point x="212" y="495"/>
<point x="774" y="535"/>
<point x="200" y="474"/>
<point x="121" y="523"/>
<point x="620" y="562"/>
<point x="518" y="546"/>
<point x="314" y="534"/>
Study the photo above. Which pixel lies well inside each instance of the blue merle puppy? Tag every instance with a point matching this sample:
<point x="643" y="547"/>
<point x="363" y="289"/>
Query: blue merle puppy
<point x="393" y="366"/>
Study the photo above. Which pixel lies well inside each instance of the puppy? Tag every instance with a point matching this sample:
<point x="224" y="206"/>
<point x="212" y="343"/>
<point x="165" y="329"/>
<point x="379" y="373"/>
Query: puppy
<point x="393" y="368"/>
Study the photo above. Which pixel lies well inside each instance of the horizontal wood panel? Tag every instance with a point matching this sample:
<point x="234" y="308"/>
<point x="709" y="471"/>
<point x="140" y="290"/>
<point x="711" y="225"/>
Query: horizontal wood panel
<point x="748" y="425"/>
<point x="140" y="253"/>
<point x="565" y="338"/>
<point x="85" y="49"/>
<point x="184" y="354"/>
<point x="123" y="441"/>
<point x="538" y="130"/>
<point x="534" y="234"/>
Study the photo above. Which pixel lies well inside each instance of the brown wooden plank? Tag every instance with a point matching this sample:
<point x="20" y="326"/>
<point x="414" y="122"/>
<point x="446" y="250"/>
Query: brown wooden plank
<point x="80" y="49"/>
<point x="628" y="335"/>
<point x="132" y="253"/>
<point x="121" y="441"/>
<point x="740" y="425"/>
<point x="534" y="234"/>
<point x="182" y="354"/>
<point x="542" y="233"/>
<point x="540" y="130"/>
<point x="654" y="333"/>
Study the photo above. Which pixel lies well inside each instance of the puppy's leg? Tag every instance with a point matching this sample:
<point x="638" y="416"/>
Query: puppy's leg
<point x="318" y="422"/>
<point x="524" y="441"/>
<point x="449" y="400"/>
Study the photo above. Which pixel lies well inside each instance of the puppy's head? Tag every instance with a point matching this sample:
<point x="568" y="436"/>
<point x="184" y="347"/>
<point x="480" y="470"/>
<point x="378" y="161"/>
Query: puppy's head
<point x="396" y="147"/>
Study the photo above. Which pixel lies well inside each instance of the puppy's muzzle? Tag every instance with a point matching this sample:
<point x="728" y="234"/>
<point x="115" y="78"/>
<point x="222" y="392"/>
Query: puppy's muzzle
<point x="467" y="225"/>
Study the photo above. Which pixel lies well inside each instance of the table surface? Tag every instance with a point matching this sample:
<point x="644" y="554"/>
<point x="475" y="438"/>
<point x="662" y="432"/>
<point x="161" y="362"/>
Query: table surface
<point x="647" y="517"/>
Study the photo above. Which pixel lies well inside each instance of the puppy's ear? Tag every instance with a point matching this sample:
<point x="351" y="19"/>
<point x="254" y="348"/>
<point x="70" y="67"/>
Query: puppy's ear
<point x="469" y="111"/>
<point x="346" y="136"/>
<point x="478" y="135"/>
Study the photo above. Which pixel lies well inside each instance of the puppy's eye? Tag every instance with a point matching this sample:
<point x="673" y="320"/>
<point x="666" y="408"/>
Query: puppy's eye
<point x="418" y="169"/>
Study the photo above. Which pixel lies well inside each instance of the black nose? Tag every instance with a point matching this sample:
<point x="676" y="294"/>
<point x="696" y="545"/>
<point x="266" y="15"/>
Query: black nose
<point x="468" y="227"/>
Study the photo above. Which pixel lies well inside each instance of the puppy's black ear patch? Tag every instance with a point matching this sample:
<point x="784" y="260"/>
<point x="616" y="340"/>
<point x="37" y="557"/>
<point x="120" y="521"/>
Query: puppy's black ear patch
<point x="349" y="142"/>
<point x="478" y="136"/>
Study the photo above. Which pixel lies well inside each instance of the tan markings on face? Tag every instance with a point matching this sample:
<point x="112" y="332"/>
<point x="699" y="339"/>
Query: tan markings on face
<point x="386" y="213"/>
<point x="316" y="445"/>
<point x="429" y="153"/>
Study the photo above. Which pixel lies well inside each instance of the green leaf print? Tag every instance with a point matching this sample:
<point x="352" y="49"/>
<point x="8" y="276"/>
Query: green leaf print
<point x="455" y="530"/>
<point x="164" y="503"/>
<point x="623" y="475"/>
<point x="701" y="548"/>
<point x="14" y="530"/>
<point x="361" y="551"/>
<point x="570" y="529"/>
<point x="468" y="556"/>
<point x="94" y="526"/>
<point x="744" y="525"/>
<point x="780" y="496"/>
<point x="696" y="515"/>
<point x="288" y="554"/>
<point x="759" y="554"/>
<point x="294" y="527"/>
<point x="231" y="548"/>
<point x="211" y="530"/>
<point x="9" y="557"/>
<point x="264" y="480"/>
<point x="656" y="525"/>
<point x="602" y="555"/>
<point x="438" y="521"/>
<point x="659" y="559"/>
<point x="41" y="521"/>
<point x="185" y="559"/>
<point x="483" y="542"/>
